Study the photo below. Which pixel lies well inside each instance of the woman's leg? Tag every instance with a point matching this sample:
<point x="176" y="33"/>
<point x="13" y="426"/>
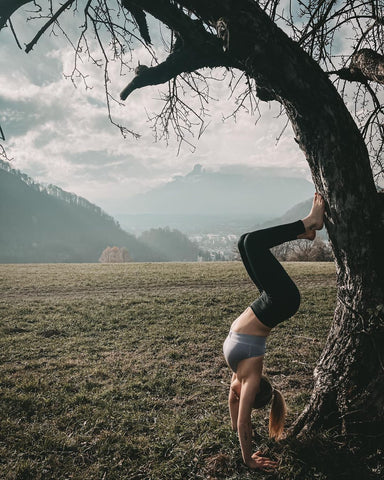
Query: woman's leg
<point x="279" y="297"/>
<point x="246" y="262"/>
<point x="252" y="244"/>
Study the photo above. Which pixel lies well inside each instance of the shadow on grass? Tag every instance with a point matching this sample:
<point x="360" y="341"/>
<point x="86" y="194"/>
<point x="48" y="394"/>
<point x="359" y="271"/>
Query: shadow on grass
<point x="330" y="458"/>
<point x="316" y="458"/>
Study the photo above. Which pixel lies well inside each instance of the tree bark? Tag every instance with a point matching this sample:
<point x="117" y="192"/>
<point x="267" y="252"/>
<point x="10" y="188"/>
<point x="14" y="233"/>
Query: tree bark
<point x="8" y="8"/>
<point x="366" y="65"/>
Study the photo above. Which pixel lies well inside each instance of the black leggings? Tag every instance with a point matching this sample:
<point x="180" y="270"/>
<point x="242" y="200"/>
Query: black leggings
<point x="280" y="298"/>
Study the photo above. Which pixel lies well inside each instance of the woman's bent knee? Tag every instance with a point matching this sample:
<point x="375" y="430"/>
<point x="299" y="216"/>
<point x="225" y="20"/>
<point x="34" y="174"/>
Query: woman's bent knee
<point x="240" y="243"/>
<point x="293" y="301"/>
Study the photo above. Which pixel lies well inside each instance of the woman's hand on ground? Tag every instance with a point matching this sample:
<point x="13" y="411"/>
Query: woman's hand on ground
<point x="257" y="461"/>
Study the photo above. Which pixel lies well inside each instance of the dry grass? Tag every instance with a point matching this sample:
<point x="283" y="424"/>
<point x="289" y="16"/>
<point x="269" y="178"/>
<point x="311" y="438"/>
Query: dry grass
<point x="116" y="371"/>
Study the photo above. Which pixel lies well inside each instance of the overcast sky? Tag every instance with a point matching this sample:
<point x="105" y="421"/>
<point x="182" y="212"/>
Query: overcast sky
<point x="60" y="134"/>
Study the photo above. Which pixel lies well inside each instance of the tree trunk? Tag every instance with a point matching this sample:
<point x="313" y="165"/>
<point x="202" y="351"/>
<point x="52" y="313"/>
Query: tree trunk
<point x="349" y="388"/>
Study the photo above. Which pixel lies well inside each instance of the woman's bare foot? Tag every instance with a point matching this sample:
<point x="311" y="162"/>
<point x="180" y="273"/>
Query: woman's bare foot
<point x="315" y="220"/>
<point x="307" y="235"/>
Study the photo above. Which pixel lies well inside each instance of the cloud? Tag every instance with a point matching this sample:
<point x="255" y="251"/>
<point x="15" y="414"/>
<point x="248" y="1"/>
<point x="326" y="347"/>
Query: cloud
<point x="61" y="134"/>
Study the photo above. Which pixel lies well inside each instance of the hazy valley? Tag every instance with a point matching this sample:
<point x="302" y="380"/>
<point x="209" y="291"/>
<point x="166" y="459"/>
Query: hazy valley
<point x="179" y="221"/>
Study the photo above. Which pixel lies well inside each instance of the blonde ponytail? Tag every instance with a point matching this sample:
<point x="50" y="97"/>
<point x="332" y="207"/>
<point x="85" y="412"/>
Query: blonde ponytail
<point x="277" y="415"/>
<point x="278" y="408"/>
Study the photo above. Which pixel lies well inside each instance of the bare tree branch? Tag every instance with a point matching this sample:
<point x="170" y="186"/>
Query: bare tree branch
<point x="140" y="18"/>
<point x="195" y="48"/>
<point x="185" y="60"/>
<point x="193" y="24"/>
<point x="365" y="65"/>
<point x="8" y="8"/>
<point x="370" y="64"/>
<point x="14" y="34"/>
<point x="45" y="27"/>
<point x="3" y="152"/>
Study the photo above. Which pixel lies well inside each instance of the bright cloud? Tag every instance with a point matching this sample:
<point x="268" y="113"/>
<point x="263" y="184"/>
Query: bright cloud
<point x="61" y="134"/>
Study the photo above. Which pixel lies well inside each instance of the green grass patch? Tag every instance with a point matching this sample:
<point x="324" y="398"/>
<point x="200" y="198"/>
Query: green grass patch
<point x="116" y="371"/>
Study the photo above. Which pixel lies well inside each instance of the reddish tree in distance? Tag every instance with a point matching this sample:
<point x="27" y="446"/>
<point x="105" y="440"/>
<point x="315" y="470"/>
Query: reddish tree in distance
<point x="115" y="255"/>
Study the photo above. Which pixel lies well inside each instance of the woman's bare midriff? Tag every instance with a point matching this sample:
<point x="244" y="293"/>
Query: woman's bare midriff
<point x="248" y="323"/>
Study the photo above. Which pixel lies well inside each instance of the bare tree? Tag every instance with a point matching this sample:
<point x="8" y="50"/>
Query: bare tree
<point x="283" y="251"/>
<point x="115" y="255"/>
<point x="304" y="251"/>
<point x="320" y="251"/>
<point x="286" y="54"/>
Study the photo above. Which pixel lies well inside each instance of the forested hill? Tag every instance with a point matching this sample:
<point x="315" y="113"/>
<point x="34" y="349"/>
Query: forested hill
<point x="174" y="245"/>
<point x="47" y="224"/>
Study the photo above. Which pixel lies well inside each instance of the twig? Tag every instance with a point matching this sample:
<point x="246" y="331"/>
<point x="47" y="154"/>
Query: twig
<point x="53" y="19"/>
<point x="14" y="34"/>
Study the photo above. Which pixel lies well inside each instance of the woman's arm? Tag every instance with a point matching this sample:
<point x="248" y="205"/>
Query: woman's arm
<point x="233" y="401"/>
<point x="248" y="385"/>
<point x="249" y="388"/>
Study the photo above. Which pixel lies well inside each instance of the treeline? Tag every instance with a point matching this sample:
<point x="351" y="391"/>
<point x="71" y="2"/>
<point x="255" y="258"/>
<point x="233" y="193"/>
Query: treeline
<point x="57" y="192"/>
<point x="169" y="245"/>
<point x="173" y="245"/>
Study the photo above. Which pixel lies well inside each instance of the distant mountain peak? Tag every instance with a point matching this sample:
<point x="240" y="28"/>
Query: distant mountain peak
<point x="197" y="170"/>
<point x="233" y="191"/>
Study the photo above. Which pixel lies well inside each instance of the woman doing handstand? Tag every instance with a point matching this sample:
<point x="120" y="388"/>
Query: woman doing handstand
<point x="244" y="348"/>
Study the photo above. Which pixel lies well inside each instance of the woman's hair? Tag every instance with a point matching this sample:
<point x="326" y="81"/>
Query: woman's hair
<point x="278" y="408"/>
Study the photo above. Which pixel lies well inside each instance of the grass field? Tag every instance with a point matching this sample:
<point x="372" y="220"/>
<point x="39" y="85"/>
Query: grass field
<point x="116" y="371"/>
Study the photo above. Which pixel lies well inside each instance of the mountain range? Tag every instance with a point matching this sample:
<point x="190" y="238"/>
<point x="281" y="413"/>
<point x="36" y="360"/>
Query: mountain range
<point x="228" y="201"/>
<point x="46" y="224"/>
<point x="232" y="190"/>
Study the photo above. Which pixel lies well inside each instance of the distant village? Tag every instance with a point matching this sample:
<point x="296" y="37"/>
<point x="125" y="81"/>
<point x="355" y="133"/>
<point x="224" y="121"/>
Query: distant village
<point x="220" y="246"/>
